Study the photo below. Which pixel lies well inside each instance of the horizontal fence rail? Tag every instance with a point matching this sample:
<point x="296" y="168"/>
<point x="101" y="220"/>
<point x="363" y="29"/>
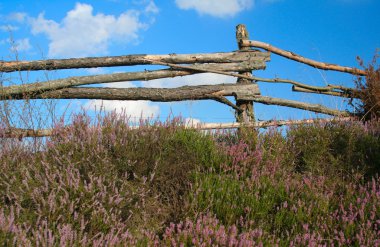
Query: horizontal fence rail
<point x="154" y="94"/>
<point x="25" y="133"/>
<point x="248" y="92"/>
<point x="239" y="64"/>
<point x="129" y="60"/>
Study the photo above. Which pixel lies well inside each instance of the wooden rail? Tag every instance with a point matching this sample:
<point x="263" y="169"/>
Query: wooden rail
<point x="129" y="60"/>
<point x="25" y="133"/>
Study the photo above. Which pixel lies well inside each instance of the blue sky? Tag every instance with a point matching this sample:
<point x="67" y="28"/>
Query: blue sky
<point x="334" y="31"/>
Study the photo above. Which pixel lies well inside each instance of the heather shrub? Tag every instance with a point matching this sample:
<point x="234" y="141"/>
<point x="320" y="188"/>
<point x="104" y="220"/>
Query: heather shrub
<point x="258" y="199"/>
<point x="103" y="183"/>
<point x="338" y="150"/>
<point x="105" y="178"/>
<point x="298" y="189"/>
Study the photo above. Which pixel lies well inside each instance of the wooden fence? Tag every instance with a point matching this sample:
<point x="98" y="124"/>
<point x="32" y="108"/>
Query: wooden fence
<point x="239" y="64"/>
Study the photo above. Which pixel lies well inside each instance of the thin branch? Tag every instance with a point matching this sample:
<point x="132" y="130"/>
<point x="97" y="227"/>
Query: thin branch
<point x="333" y="93"/>
<point x="299" y="84"/>
<point x="224" y="100"/>
<point x="345" y="89"/>
<point x="298" y="58"/>
<point x="300" y="105"/>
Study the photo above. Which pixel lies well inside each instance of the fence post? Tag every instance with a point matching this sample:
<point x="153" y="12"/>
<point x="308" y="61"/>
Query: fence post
<point x="247" y="115"/>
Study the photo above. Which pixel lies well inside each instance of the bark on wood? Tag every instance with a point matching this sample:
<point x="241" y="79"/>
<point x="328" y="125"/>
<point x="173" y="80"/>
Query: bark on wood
<point x="298" y="58"/>
<point x="26" y="89"/>
<point x="22" y="133"/>
<point x="300" y="105"/>
<point x="333" y="93"/>
<point x="92" y="62"/>
<point x="344" y="89"/>
<point x="247" y="113"/>
<point x="329" y="90"/>
<point x="208" y="70"/>
<point x="264" y="124"/>
<point x="298" y="84"/>
<point x="153" y="94"/>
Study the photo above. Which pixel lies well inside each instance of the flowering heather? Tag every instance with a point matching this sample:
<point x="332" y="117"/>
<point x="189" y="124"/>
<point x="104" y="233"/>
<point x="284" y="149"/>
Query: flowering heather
<point x="105" y="184"/>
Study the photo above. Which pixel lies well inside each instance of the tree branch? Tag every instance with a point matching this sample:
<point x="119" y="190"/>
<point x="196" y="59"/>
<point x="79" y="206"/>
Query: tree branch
<point x="300" y="105"/>
<point x="299" y="84"/>
<point x="298" y="58"/>
<point x="224" y="100"/>
<point x="333" y="93"/>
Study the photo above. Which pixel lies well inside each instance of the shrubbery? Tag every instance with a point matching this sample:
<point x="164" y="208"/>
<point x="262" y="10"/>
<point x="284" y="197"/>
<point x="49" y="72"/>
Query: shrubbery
<point x="162" y="184"/>
<point x="368" y="90"/>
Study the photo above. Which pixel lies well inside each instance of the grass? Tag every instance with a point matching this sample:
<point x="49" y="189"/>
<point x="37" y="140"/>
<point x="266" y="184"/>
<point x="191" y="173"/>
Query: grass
<point x="106" y="184"/>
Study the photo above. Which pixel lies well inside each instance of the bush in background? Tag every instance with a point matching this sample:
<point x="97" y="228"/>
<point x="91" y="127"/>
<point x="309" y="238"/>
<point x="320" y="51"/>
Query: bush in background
<point x="369" y="90"/>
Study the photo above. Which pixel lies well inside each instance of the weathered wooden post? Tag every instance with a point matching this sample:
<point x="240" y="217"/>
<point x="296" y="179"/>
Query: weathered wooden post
<point x="247" y="113"/>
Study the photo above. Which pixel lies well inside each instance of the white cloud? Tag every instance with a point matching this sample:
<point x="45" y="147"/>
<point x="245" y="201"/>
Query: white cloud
<point x="191" y="80"/>
<point x="152" y="8"/>
<point x="216" y="8"/>
<point x="122" y="84"/>
<point x="134" y="109"/>
<point x="17" y="16"/>
<point x="8" y="28"/>
<point x="83" y="33"/>
<point x="21" y="45"/>
<point x="96" y="71"/>
<point x="192" y="122"/>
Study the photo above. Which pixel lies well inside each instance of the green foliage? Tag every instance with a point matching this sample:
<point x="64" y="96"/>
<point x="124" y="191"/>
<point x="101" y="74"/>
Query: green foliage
<point x="336" y="150"/>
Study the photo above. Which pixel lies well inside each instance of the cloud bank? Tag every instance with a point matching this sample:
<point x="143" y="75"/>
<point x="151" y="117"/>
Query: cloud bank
<point x="82" y="33"/>
<point x="21" y="45"/>
<point x="216" y="8"/>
